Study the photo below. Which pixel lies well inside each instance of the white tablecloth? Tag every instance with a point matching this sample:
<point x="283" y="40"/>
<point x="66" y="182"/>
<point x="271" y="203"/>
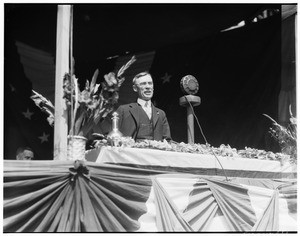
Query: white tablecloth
<point x="234" y="166"/>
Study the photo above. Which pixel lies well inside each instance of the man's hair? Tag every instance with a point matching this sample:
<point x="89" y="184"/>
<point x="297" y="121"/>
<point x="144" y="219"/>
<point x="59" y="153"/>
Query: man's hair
<point x="21" y="149"/>
<point x="20" y="154"/>
<point x="139" y="75"/>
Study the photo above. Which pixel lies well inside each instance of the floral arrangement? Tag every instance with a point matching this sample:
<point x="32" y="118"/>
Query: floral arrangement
<point x="89" y="106"/>
<point x="286" y="136"/>
<point x="223" y="150"/>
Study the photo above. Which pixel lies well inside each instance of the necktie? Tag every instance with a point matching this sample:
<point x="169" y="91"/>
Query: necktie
<point x="148" y="109"/>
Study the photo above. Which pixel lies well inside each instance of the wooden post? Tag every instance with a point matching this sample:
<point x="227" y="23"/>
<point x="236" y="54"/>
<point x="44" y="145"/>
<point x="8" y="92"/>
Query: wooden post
<point x="62" y="67"/>
<point x="188" y="101"/>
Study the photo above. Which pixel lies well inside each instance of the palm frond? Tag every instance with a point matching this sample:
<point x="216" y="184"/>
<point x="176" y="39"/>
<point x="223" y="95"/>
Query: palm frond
<point x="270" y="118"/>
<point x="45" y="105"/>
<point x="125" y="67"/>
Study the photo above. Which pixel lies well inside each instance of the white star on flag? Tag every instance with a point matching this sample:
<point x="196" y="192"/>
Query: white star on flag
<point x="166" y="78"/>
<point x="44" y="137"/>
<point x="28" y="114"/>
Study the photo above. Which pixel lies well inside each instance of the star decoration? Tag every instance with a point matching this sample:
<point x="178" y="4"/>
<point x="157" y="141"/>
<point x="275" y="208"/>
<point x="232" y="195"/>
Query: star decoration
<point x="13" y="89"/>
<point x="28" y="114"/>
<point x="44" y="137"/>
<point x="166" y="78"/>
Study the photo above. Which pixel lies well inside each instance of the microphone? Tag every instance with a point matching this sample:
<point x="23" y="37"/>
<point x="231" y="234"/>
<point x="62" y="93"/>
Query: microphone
<point x="189" y="85"/>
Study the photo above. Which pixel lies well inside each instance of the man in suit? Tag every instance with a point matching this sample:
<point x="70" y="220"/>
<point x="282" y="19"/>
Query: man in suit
<point x="142" y="120"/>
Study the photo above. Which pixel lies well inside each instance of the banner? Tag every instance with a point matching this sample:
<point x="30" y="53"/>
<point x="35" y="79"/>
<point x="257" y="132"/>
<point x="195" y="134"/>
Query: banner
<point x="66" y="196"/>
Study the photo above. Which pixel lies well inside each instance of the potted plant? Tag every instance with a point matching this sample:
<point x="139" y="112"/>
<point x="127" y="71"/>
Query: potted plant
<point x="85" y="107"/>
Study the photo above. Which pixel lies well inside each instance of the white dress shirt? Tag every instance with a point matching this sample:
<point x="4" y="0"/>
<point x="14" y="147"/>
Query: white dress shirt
<point x="147" y="106"/>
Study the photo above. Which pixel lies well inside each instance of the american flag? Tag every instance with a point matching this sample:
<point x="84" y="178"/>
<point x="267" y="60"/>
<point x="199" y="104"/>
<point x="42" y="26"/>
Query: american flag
<point x="25" y="125"/>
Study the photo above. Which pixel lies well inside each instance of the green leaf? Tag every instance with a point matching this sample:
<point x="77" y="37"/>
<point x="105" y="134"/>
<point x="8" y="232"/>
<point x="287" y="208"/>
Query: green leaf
<point x="93" y="81"/>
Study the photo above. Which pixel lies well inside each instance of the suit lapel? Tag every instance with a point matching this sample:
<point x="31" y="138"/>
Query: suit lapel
<point x="134" y="110"/>
<point x="155" y="115"/>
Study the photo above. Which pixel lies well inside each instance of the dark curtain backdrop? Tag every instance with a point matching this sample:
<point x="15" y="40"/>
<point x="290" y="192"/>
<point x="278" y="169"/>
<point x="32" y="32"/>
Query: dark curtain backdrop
<point x="239" y="80"/>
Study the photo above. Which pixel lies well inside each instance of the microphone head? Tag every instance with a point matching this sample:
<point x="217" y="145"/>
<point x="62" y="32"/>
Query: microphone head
<point x="189" y="85"/>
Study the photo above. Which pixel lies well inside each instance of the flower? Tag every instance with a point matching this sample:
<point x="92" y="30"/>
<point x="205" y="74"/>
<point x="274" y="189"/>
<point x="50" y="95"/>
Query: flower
<point x="111" y="79"/>
<point x="87" y="107"/>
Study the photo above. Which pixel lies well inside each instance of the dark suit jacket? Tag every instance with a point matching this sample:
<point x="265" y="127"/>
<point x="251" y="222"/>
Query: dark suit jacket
<point x="129" y="121"/>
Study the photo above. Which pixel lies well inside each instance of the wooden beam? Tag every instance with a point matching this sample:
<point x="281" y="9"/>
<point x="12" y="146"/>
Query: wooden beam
<point x="62" y="67"/>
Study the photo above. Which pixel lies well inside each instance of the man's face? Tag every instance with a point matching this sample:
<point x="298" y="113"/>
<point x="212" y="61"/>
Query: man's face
<point x="144" y="87"/>
<point x="26" y="155"/>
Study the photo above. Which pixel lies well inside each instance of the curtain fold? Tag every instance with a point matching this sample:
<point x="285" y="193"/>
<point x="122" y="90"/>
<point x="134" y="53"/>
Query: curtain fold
<point x="55" y="198"/>
<point x="202" y="207"/>
<point x="169" y="219"/>
<point x="288" y="191"/>
<point x="234" y="203"/>
<point x="269" y="220"/>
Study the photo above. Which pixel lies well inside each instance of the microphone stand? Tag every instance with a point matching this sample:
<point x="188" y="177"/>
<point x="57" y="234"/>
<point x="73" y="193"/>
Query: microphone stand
<point x="185" y="101"/>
